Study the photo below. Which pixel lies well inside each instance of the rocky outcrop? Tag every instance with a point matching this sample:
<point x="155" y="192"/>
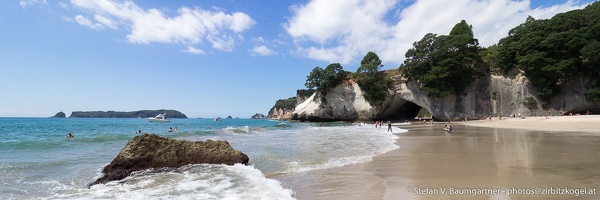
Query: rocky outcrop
<point x="283" y="108"/>
<point x="343" y="103"/>
<point x="150" y="151"/>
<point x="258" y="116"/>
<point x="487" y="96"/>
<point x="280" y="113"/>
<point x="59" y="115"/>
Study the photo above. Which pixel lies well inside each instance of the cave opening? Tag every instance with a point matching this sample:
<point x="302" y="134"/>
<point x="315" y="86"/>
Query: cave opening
<point x="405" y="111"/>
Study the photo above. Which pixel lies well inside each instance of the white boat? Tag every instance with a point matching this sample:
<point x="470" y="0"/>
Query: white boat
<point x="159" y="118"/>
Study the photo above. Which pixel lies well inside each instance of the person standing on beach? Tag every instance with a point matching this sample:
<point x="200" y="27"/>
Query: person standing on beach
<point x="389" y="126"/>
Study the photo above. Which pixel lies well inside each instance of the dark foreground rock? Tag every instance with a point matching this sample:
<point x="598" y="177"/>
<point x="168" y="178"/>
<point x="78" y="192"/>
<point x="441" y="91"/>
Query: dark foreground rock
<point x="150" y="151"/>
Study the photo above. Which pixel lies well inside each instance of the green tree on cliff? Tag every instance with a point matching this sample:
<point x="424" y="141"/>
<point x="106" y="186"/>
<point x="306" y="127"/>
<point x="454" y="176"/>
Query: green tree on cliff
<point x="325" y="79"/>
<point x="552" y="51"/>
<point x="371" y="80"/>
<point x="445" y="64"/>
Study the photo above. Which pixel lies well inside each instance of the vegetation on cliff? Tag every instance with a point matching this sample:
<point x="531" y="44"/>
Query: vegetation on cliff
<point x="548" y="51"/>
<point x="368" y="76"/>
<point x="325" y="79"/>
<point x="551" y="51"/>
<point x="372" y="81"/>
<point x="288" y="104"/>
<point x="133" y="114"/>
<point x="304" y="93"/>
<point x="445" y="64"/>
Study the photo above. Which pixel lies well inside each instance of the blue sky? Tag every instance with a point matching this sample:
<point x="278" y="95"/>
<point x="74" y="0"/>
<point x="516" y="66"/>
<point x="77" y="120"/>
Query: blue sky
<point x="211" y="58"/>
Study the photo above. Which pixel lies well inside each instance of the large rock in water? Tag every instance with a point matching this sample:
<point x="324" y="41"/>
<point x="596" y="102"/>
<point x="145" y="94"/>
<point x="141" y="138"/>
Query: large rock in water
<point x="151" y="151"/>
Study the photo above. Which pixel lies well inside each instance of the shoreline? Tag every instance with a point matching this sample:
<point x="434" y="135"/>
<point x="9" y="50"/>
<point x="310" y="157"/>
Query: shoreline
<point x="505" y="154"/>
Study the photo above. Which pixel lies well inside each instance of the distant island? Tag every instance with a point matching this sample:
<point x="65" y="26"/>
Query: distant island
<point x="59" y="115"/>
<point x="258" y="116"/>
<point x="132" y="114"/>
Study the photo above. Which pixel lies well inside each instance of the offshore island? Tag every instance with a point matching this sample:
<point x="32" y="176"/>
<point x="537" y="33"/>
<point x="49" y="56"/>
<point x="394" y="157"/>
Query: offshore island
<point x="121" y="114"/>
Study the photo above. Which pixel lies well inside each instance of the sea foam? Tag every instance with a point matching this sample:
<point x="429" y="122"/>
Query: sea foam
<point x="201" y="181"/>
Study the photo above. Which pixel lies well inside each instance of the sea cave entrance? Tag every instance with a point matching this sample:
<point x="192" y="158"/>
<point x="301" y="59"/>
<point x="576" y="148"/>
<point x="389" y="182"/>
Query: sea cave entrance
<point x="400" y="111"/>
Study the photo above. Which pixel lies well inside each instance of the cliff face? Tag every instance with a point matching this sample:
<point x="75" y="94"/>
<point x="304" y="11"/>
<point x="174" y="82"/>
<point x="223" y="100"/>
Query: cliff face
<point x="487" y="96"/>
<point x="344" y="102"/>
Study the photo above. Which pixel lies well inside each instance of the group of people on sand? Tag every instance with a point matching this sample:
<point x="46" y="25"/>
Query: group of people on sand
<point x="379" y="123"/>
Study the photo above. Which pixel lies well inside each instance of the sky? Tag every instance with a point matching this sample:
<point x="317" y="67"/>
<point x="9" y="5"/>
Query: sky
<point x="209" y="58"/>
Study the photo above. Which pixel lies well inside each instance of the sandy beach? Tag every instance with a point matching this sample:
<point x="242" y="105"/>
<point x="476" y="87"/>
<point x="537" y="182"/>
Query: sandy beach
<point x="582" y="123"/>
<point x="532" y="158"/>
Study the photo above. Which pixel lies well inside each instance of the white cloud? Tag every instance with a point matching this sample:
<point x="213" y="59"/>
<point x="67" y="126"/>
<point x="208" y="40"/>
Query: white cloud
<point x="262" y="50"/>
<point x="193" y="50"/>
<point x="81" y="20"/>
<point x="188" y="26"/>
<point x="25" y="3"/>
<point x="67" y="19"/>
<point x="106" y="22"/>
<point x="345" y="30"/>
<point x="63" y="5"/>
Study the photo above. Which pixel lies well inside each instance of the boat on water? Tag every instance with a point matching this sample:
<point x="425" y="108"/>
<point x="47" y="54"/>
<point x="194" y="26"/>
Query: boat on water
<point x="159" y="118"/>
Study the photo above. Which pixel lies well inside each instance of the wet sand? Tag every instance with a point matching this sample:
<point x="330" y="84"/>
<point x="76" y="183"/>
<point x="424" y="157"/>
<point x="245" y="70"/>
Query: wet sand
<point x="471" y="160"/>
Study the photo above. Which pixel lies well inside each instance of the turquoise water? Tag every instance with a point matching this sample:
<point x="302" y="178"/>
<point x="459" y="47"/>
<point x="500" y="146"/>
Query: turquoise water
<point x="37" y="161"/>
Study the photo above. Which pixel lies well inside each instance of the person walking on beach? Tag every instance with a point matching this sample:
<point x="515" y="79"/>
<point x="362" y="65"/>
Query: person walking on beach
<point x="389" y="126"/>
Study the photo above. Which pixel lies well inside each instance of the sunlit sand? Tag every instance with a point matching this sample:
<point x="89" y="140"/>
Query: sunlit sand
<point x="517" y="155"/>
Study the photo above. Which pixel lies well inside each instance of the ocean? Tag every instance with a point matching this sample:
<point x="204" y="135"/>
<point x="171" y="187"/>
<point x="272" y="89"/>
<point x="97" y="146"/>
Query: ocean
<point x="37" y="161"/>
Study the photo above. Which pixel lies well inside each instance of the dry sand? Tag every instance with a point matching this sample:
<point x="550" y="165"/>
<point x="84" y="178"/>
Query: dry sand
<point x="563" y="153"/>
<point x="582" y="123"/>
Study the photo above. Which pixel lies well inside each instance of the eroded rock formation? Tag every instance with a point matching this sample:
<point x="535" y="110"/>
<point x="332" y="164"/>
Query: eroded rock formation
<point x="150" y="151"/>
<point x="487" y="96"/>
